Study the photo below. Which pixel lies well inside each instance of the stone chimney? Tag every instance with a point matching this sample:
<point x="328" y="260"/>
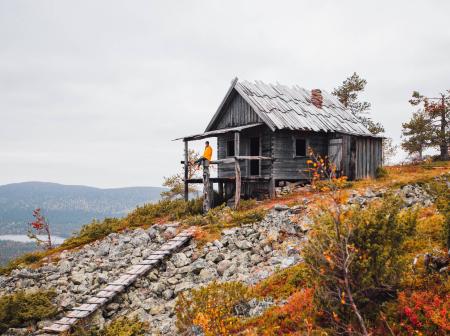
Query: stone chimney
<point x="316" y="98"/>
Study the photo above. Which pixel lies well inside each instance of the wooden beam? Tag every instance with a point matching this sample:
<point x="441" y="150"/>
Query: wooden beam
<point x="231" y="160"/>
<point x="186" y="171"/>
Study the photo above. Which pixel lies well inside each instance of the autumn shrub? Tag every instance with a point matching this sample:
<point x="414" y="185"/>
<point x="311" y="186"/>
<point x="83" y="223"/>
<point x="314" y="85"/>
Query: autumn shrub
<point x="441" y="191"/>
<point x="210" y="308"/>
<point x="247" y="204"/>
<point x="381" y="172"/>
<point x="22" y="309"/>
<point x="296" y="317"/>
<point x="166" y="209"/>
<point x="283" y="284"/>
<point x="121" y="326"/>
<point x="93" y="231"/>
<point x="124" y="326"/>
<point x="369" y="250"/>
<point x="424" y="312"/>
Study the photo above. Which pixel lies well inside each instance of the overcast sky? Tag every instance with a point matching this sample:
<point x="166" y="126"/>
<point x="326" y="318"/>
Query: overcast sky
<point x="92" y="92"/>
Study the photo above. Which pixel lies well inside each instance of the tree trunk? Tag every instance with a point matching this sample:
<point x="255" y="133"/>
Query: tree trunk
<point x="443" y="133"/>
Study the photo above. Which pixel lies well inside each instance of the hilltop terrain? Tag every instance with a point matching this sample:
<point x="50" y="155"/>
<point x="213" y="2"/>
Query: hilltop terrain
<point x="67" y="207"/>
<point x="268" y="268"/>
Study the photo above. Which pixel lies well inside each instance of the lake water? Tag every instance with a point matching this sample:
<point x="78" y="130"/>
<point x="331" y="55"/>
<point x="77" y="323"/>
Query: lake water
<point x="24" y="238"/>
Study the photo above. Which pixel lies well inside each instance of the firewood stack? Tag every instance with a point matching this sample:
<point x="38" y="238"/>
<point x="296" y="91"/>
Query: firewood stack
<point x="316" y="98"/>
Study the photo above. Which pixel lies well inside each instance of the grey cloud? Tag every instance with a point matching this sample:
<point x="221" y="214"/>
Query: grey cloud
<point x="92" y="92"/>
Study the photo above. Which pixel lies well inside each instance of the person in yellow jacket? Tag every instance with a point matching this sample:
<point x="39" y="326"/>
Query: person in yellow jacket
<point x="207" y="154"/>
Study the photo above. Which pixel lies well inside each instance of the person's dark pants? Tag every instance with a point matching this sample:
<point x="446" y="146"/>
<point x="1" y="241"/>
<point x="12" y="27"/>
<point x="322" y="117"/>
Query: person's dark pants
<point x="200" y="161"/>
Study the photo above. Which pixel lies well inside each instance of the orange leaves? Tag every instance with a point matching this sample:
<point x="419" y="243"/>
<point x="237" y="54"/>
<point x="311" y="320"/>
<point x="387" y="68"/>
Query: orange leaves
<point x="296" y="317"/>
<point x="210" y="308"/>
<point x="343" y="298"/>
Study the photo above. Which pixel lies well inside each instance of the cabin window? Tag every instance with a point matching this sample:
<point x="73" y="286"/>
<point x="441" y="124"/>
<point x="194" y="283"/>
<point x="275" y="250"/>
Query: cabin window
<point x="230" y="148"/>
<point x="300" y="147"/>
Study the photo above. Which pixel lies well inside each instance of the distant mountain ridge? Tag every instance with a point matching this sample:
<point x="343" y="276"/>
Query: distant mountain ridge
<point x="67" y="207"/>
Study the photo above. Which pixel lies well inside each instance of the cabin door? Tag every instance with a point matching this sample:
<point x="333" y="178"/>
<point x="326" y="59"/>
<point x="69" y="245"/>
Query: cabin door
<point x="255" y="151"/>
<point x="335" y="153"/>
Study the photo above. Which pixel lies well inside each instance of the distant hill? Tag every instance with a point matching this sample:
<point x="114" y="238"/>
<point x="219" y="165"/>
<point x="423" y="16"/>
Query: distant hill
<point x="11" y="249"/>
<point x="67" y="207"/>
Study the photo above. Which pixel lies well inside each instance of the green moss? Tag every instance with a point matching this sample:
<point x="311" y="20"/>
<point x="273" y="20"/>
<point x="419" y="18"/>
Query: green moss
<point x="24" y="309"/>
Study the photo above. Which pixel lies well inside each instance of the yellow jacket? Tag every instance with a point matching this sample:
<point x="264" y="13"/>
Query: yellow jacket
<point x="207" y="154"/>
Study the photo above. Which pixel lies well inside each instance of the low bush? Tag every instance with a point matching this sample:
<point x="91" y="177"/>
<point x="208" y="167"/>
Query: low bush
<point x="424" y="312"/>
<point x="441" y="191"/>
<point x="24" y="309"/>
<point x="296" y="317"/>
<point x="381" y="172"/>
<point x="283" y="284"/>
<point x="373" y="240"/>
<point x="122" y="326"/>
<point x="210" y="308"/>
<point x="93" y="231"/>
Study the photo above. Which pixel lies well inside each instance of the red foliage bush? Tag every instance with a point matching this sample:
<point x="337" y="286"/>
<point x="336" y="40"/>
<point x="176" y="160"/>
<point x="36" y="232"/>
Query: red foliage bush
<point x="424" y="312"/>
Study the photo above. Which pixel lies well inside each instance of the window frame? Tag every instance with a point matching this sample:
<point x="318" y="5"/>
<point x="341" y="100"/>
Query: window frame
<point x="294" y="140"/>
<point x="228" y="148"/>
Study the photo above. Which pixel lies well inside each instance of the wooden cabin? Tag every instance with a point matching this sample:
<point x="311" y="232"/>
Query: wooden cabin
<point x="263" y="132"/>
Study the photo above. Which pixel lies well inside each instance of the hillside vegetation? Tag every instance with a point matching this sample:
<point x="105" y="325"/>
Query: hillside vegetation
<point x="376" y="267"/>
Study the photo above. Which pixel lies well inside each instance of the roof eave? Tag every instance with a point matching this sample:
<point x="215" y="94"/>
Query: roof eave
<point x="222" y="104"/>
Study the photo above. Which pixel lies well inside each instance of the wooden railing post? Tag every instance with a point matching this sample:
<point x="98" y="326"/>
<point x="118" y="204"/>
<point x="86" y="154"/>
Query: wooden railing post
<point x="186" y="171"/>
<point x="237" y="169"/>
<point x="237" y="194"/>
<point x="207" y="190"/>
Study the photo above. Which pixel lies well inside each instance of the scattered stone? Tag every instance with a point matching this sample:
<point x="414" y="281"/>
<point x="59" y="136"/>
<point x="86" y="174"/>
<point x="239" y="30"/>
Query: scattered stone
<point x="281" y="207"/>
<point x="180" y="260"/>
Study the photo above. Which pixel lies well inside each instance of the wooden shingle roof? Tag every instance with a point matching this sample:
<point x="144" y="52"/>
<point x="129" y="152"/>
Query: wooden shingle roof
<point x="290" y="107"/>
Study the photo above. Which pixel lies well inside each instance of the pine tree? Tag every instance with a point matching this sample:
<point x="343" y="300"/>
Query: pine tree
<point x="417" y="134"/>
<point x="348" y="93"/>
<point x="437" y="110"/>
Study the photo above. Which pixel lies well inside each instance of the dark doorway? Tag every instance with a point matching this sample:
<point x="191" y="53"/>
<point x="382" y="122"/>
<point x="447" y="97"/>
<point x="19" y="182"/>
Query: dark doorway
<point x="254" y="151"/>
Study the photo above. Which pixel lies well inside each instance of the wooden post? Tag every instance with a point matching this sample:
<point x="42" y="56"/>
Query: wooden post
<point x="186" y="171"/>
<point x="237" y="169"/>
<point x="237" y="146"/>
<point x="272" y="193"/>
<point x="220" y="190"/>
<point x="207" y="195"/>
<point x="237" y="194"/>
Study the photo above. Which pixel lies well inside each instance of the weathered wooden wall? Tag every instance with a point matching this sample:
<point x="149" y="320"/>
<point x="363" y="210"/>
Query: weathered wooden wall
<point x="288" y="167"/>
<point x="227" y="169"/>
<point x="369" y="156"/>
<point x="237" y="113"/>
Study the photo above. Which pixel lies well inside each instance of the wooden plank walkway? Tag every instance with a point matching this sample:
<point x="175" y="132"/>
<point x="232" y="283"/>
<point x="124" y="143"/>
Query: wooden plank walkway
<point x="117" y="286"/>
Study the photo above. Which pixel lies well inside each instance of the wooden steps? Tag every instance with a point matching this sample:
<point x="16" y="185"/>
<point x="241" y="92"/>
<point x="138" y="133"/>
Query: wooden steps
<point x="117" y="286"/>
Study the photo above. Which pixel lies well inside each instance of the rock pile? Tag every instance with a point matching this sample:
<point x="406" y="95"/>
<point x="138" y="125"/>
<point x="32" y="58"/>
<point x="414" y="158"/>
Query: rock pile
<point x="249" y="254"/>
